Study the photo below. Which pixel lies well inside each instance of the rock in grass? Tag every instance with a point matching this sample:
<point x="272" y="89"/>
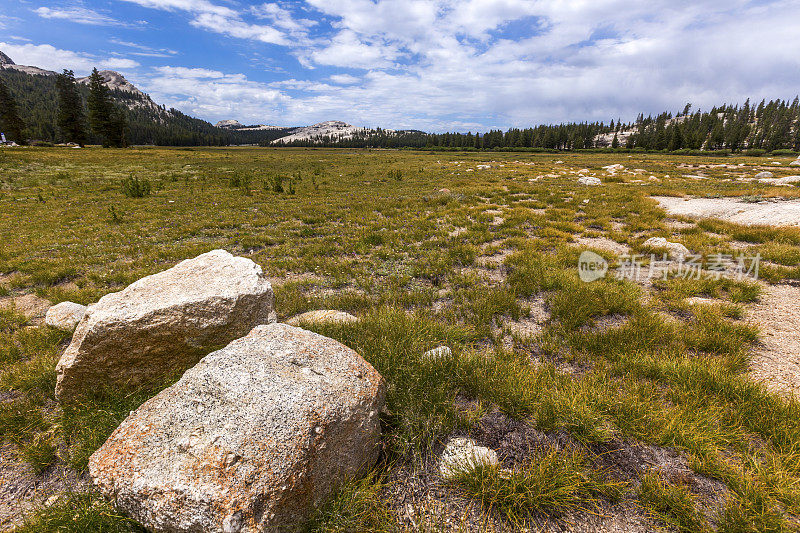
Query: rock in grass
<point x="589" y="180"/>
<point x="462" y="455"/>
<point x="251" y="439"/>
<point x="795" y="163"/>
<point x="438" y="352"/>
<point x="765" y="174"/>
<point x="65" y="315"/>
<point x="164" y="323"/>
<point x="675" y="249"/>
<point x="322" y="316"/>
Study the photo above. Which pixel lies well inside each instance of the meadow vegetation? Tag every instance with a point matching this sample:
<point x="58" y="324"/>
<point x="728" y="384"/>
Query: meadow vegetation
<point x="427" y="250"/>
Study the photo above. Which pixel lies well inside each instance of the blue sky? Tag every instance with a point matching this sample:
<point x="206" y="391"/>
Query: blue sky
<point x="434" y="65"/>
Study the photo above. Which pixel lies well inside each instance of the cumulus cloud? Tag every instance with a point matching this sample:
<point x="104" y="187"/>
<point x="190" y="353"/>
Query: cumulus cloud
<point x="51" y="58"/>
<point x="219" y="19"/>
<point x="475" y="64"/>
<point x="214" y="95"/>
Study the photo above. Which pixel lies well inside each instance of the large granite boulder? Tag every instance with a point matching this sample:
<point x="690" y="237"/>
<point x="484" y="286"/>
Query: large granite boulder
<point x="253" y="438"/>
<point x="164" y="323"/>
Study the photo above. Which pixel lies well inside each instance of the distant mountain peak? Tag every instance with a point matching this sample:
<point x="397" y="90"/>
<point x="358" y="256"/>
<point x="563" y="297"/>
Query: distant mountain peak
<point x="5" y="60"/>
<point x="115" y="80"/>
<point x="230" y="124"/>
<point x="238" y="126"/>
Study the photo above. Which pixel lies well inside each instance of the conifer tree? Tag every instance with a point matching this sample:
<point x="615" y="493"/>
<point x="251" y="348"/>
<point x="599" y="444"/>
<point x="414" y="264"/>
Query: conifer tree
<point x="107" y="121"/>
<point x="71" y="117"/>
<point x="10" y="122"/>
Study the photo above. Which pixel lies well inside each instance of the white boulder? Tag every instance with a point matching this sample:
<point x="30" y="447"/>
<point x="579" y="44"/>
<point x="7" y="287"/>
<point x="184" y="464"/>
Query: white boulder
<point x="65" y="315"/>
<point x="164" y="323"/>
<point x="589" y="180"/>
<point x="252" y="438"/>
<point x="675" y="249"/>
<point x="765" y="174"/>
<point x="322" y="316"/>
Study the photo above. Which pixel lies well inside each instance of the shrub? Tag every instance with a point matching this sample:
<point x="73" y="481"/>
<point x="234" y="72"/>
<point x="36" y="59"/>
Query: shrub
<point x="133" y="187"/>
<point x="754" y="152"/>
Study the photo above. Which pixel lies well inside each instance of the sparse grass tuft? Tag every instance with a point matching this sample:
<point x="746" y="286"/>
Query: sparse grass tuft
<point x="673" y="504"/>
<point x="84" y="512"/>
<point x="356" y="506"/>
<point x="555" y="483"/>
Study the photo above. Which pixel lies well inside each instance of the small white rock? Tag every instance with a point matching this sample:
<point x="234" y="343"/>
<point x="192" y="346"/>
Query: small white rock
<point x="439" y="351"/>
<point x="462" y="454"/>
<point x="764" y="174"/>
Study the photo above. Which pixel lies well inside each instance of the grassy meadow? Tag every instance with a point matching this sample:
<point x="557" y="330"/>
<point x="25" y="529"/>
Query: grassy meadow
<point x="604" y="399"/>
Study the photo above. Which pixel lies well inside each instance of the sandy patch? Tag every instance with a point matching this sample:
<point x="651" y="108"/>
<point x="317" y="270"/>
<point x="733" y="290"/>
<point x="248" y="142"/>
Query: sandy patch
<point x="29" y="305"/>
<point x="780" y="213"/>
<point x="776" y="362"/>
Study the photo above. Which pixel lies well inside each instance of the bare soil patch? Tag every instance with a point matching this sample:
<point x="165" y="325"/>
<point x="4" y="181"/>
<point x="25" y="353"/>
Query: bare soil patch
<point x="776" y="362"/>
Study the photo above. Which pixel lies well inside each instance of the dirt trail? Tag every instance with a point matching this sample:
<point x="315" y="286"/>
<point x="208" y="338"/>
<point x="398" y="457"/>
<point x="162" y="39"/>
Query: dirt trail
<point x="777" y="360"/>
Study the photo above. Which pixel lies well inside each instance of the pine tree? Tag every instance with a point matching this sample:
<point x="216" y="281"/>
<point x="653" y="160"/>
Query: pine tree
<point x="107" y="121"/>
<point x="71" y="117"/>
<point x="10" y="122"/>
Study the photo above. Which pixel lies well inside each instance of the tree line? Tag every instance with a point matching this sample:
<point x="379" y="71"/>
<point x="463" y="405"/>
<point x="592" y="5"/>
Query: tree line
<point x="58" y="109"/>
<point x="769" y="126"/>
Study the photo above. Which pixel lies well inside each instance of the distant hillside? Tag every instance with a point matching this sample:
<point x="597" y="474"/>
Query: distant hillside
<point x="34" y="90"/>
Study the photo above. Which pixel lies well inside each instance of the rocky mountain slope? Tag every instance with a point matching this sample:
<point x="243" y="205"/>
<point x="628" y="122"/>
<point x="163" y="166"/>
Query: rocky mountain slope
<point x="148" y="123"/>
<point x="331" y="131"/>
<point x="235" y="125"/>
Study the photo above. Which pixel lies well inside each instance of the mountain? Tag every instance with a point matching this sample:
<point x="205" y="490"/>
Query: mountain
<point x="35" y="91"/>
<point x="259" y="133"/>
<point x="116" y="82"/>
<point x="324" y="132"/>
<point x="5" y="60"/>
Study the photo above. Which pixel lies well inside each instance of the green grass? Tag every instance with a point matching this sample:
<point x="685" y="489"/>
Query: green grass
<point x="671" y="503"/>
<point x="557" y="482"/>
<point x="79" y="512"/>
<point x="612" y="361"/>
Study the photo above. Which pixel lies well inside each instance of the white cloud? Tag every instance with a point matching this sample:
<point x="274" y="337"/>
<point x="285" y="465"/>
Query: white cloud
<point x="145" y="51"/>
<point x="344" y="79"/>
<point x="282" y="18"/>
<point x="77" y="14"/>
<point x="214" y="95"/>
<point x="49" y="57"/>
<point x="475" y="64"/>
<point x="219" y="19"/>
<point x="236" y="28"/>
